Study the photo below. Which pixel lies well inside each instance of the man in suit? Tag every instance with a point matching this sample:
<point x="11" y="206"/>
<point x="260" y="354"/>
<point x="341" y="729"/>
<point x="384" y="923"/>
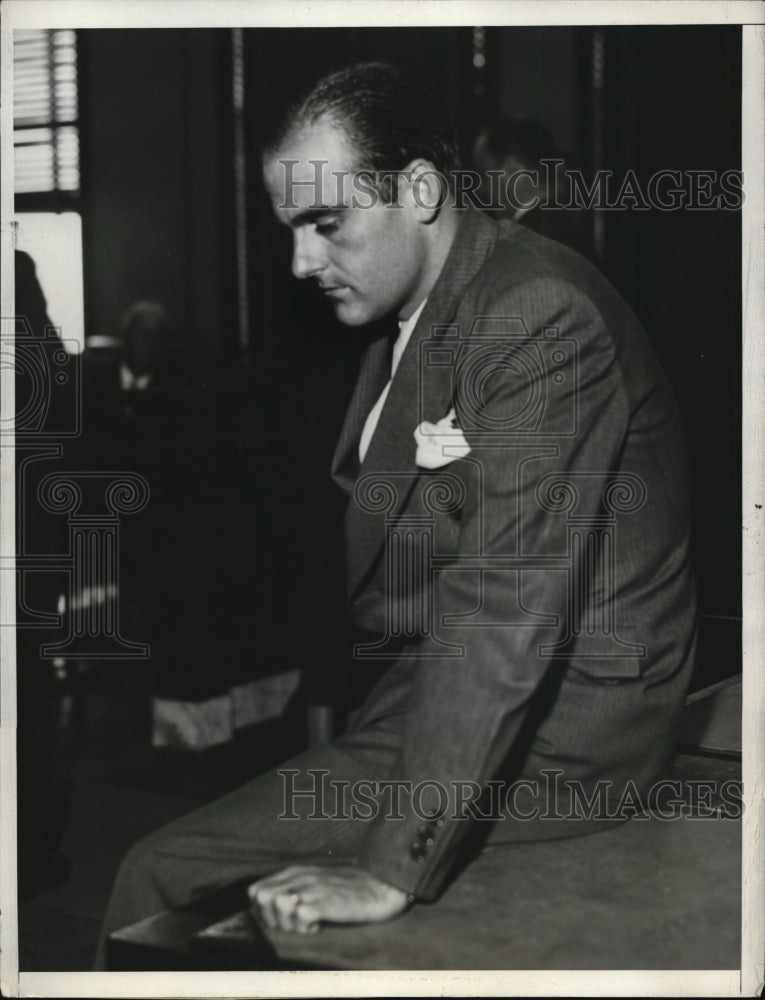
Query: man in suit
<point x="517" y="541"/>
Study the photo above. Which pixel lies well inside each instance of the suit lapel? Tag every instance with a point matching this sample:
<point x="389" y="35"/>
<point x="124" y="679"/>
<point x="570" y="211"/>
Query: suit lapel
<point x="373" y="376"/>
<point x="419" y="392"/>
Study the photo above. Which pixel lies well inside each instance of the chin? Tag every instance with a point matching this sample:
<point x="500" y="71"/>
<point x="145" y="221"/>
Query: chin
<point x="352" y="317"/>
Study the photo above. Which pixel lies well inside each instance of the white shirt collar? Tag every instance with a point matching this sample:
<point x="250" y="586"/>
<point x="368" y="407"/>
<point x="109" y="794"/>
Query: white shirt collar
<point x="405" y="328"/>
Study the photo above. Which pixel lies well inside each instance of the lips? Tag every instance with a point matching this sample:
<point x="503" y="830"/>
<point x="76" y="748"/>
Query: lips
<point x="333" y="290"/>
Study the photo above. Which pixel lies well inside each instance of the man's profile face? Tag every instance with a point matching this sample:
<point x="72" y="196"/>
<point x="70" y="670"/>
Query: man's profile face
<point x="368" y="259"/>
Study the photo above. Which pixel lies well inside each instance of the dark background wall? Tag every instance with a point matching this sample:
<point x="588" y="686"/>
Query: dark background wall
<point x="538" y="70"/>
<point x="671" y="101"/>
<point x="157" y="169"/>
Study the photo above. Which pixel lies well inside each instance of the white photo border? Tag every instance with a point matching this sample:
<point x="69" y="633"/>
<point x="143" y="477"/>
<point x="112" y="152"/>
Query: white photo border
<point x="746" y="981"/>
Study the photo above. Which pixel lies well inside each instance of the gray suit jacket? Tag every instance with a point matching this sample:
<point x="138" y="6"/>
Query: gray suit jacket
<point x="541" y="584"/>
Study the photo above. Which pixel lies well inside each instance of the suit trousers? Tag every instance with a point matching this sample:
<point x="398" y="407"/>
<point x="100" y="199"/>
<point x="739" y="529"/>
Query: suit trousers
<point x="253" y="831"/>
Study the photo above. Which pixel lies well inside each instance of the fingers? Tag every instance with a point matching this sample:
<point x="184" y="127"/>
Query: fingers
<point x="279" y="900"/>
<point x="298" y="899"/>
<point x="283" y="908"/>
<point x="307" y="918"/>
<point x="274" y="904"/>
<point x="286" y="911"/>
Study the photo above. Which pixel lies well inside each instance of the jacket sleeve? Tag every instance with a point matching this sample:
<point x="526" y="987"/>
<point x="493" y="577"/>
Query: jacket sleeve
<point x="465" y="712"/>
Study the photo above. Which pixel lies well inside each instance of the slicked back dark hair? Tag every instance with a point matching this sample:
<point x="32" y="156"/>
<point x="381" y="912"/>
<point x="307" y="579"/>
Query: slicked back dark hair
<point x="386" y="118"/>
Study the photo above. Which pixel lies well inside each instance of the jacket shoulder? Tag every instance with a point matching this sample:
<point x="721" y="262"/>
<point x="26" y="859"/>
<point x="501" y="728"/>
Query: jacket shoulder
<point x="521" y="256"/>
<point x="530" y="272"/>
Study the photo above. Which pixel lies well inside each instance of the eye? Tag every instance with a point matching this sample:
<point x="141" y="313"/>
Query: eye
<point x="326" y="227"/>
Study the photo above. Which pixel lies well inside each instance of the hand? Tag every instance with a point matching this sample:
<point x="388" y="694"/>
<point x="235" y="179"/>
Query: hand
<point x="298" y="897"/>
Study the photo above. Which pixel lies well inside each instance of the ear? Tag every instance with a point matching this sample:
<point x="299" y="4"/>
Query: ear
<point x="426" y="189"/>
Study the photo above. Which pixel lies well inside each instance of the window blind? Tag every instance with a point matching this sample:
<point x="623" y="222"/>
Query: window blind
<point x="45" y="132"/>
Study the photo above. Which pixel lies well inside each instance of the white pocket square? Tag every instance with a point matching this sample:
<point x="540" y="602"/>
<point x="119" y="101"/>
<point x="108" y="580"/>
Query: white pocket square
<point x="441" y="443"/>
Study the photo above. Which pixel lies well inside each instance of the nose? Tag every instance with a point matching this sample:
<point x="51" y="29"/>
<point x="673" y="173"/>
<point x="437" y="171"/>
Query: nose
<point x="307" y="257"/>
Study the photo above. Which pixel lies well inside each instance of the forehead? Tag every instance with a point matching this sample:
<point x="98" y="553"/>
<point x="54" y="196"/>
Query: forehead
<point x="313" y="166"/>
